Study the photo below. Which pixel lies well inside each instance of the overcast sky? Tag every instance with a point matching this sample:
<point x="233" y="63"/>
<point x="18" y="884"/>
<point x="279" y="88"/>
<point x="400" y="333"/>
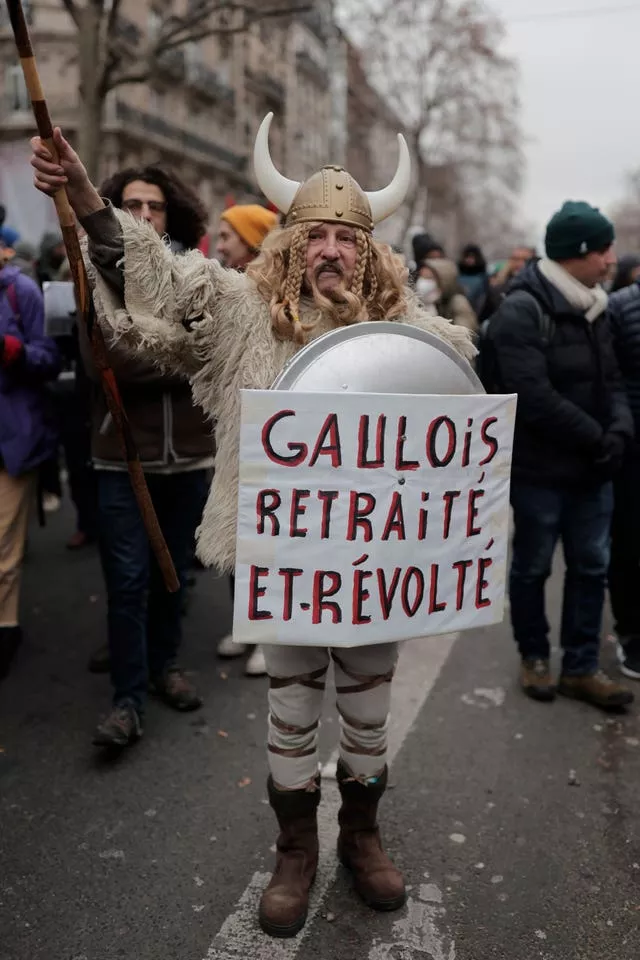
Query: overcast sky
<point x="580" y="76"/>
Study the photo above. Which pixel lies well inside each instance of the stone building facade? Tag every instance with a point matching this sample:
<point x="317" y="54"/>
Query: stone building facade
<point x="199" y="112"/>
<point x="372" y="147"/>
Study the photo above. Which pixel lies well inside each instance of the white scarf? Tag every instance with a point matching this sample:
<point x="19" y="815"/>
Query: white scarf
<point x="592" y="300"/>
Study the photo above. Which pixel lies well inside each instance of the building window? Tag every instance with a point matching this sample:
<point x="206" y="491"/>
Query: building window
<point x="192" y="53"/>
<point x="157" y="101"/>
<point x="17" y="96"/>
<point x="154" y="23"/>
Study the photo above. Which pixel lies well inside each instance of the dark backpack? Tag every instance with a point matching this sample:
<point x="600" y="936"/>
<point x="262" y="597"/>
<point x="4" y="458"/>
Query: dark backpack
<point x="487" y="366"/>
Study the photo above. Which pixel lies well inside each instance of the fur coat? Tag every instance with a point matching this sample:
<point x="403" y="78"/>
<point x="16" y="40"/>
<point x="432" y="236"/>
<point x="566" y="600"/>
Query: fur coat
<point x="229" y="348"/>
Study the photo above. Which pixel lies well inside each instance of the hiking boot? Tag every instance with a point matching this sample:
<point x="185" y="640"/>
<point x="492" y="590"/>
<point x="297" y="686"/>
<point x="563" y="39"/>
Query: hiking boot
<point x="100" y="660"/>
<point x="176" y="691"/>
<point x="596" y="688"/>
<point x="10" y="640"/>
<point x="285" y="902"/>
<point x="535" y="680"/>
<point x="375" y="878"/>
<point x="121" y="728"/>
<point x="629" y="656"/>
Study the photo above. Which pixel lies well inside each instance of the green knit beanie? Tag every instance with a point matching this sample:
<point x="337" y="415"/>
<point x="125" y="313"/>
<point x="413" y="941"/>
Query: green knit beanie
<point x="577" y="229"/>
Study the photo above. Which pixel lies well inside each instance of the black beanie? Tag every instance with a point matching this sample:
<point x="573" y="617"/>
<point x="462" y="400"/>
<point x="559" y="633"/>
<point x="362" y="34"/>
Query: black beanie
<point x="577" y="229"/>
<point x="423" y="244"/>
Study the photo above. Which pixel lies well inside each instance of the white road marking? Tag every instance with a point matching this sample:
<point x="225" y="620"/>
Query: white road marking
<point x="240" y="937"/>
<point x="417" y="933"/>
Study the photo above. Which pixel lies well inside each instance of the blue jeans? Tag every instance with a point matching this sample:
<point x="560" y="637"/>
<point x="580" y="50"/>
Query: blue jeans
<point x="143" y="619"/>
<point x="582" y="520"/>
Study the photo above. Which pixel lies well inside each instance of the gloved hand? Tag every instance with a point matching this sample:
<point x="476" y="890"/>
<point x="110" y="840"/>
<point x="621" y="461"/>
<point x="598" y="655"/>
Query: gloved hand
<point x="611" y="455"/>
<point x="11" y="350"/>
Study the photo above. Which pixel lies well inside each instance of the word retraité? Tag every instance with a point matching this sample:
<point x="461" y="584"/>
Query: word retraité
<point x="301" y="513"/>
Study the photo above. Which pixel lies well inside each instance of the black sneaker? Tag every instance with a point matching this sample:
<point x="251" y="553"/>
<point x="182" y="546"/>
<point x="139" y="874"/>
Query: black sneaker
<point x="629" y="656"/>
<point x="121" y="728"/>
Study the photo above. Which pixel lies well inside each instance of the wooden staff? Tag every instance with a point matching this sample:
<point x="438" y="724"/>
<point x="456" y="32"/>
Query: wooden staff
<point x="83" y="298"/>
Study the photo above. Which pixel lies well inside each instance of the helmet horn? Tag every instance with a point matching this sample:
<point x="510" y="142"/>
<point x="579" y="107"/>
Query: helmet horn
<point x="386" y="201"/>
<point x="276" y="188"/>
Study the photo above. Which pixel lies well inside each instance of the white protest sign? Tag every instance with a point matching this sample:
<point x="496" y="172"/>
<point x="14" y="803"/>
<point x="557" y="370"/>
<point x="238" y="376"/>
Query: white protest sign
<point x="368" y="518"/>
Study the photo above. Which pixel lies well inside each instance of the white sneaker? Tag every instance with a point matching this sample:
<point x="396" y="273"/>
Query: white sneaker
<point x="227" y="649"/>
<point x="256" y="666"/>
<point x="51" y="503"/>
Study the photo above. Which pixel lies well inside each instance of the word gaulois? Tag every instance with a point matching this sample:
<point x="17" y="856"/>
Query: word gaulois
<point x="379" y="443"/>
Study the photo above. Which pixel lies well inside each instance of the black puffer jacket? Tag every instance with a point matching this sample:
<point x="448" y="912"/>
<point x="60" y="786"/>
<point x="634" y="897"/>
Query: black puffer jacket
<point x="570" y="392"/>
<point x="625" y="325"/>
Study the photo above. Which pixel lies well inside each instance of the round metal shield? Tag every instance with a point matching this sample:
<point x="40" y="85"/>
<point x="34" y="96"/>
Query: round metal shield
<point x="379" y="357"/>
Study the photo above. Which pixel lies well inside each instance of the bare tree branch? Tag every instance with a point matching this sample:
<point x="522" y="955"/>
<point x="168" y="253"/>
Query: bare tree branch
<point x="118" y="81"/>
<point x="439" y="65"/>
<point x="175" y="32"/>
<point x="174" y="25"/>
<point x="113" y="16"/>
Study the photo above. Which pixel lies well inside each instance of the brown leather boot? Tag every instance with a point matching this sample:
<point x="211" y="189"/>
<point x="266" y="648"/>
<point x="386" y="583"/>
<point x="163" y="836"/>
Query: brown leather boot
<point x="284" y="904"/>
<point x="596" y="688"/>
<point x="375" y="878"/>
<point x="535" y="680"/>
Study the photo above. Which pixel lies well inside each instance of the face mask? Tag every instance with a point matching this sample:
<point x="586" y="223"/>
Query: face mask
<point x="427" y="289"/>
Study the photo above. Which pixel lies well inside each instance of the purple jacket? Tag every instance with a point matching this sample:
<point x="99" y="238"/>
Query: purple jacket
<point x="27" y="434"/>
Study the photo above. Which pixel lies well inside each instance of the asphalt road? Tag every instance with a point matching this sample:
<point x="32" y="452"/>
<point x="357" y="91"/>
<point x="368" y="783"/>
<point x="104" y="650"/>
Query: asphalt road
<point x="515" y="823"/>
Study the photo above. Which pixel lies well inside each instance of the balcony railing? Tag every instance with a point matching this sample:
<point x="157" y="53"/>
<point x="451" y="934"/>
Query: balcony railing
<point x="144" y="122"/>
<point x="314" y="21"/>
<point x="271" y="88"/>
<point x="171" y="62"/>
<point x="306" y="64"/>
<point x="209" y="83"/>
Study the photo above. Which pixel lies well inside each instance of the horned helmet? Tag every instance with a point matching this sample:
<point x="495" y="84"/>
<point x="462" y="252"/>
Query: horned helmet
<point x="331" y="195"/>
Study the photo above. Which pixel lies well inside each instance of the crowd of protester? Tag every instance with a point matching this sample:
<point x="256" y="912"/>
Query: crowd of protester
<point x="562" y="331"/>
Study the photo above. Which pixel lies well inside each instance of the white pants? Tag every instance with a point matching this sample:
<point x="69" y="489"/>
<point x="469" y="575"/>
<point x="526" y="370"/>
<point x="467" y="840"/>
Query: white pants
<point x="363" y="689"/>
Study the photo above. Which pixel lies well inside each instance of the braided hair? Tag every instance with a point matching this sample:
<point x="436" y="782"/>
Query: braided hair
<point x="285" y="303"/>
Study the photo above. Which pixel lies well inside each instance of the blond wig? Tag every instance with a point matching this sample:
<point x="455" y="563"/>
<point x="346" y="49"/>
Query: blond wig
<point x="377" y="290"/>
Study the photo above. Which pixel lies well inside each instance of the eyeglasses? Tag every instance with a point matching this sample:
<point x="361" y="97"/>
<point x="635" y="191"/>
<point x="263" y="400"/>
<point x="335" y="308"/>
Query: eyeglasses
<point x="135" y="206"/>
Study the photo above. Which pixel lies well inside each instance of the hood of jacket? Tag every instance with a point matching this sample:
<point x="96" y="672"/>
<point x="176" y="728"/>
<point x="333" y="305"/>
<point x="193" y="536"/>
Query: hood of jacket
<point x="446" y="273"/>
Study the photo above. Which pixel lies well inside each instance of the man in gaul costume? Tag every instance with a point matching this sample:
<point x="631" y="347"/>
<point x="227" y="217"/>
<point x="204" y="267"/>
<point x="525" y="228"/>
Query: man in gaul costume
<point x="322" y="270"/>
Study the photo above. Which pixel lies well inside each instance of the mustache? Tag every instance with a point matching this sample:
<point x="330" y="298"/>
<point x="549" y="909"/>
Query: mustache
<point x="329" y="267"/>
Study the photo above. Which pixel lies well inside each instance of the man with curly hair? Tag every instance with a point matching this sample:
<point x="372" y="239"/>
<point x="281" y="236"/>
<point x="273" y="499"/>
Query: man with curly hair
<point x="176" y="449"/>
<point x="227" y="331"/>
